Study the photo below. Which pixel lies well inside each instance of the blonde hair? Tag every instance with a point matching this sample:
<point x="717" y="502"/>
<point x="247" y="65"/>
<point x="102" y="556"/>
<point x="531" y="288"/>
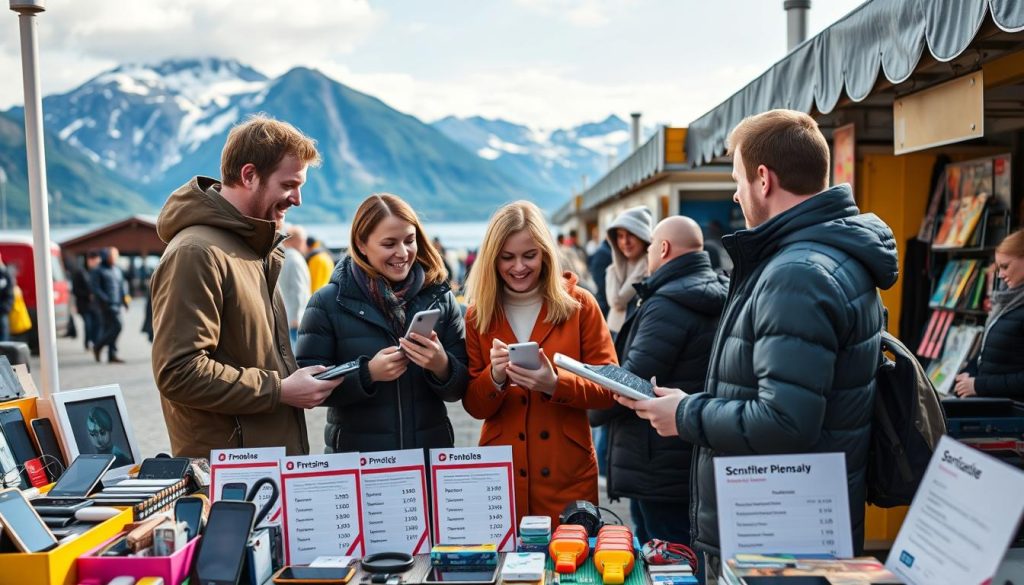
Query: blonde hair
<point x="484" y="286"/>
<point x="1012" y="245"/>
<point x="373" y="210"/>
<point x="263" y="142"/>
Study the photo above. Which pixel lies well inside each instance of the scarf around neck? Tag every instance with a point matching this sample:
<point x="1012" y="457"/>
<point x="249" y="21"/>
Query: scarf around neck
<point x="391" y="298"/>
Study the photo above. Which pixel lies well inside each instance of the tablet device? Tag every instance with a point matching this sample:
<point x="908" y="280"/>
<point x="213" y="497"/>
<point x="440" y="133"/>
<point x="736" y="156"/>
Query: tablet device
<point x="22" y="524"/>
<point x="525" y="355"/>
<point x="480" y="576"/>
<point x="163" y="468"/>
<point x="222" y="550"/>
<point x="336" y="371"/>
<point x="619" y="380"/>
<point x="81" y="477"/>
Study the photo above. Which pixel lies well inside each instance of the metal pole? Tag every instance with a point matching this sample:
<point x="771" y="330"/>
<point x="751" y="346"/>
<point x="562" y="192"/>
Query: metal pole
<point x="796" y="22"/>
<point x="45" y="325"/>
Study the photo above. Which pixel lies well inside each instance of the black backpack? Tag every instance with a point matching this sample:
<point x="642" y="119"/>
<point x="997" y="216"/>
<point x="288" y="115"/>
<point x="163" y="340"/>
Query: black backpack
<point x="907" y="423"/>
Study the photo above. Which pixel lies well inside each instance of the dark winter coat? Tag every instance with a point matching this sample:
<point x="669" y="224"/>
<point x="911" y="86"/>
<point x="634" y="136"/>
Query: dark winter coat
<point x="669" y="336"/>
<point x="598" y="264"/>
<point x="341" y="324"/>
<point x="6" y="290"/>
<point x="82" y="289"/>
<point x="793" y="363"/>
<point x="1001" y="368"/>
<point x="108" y="286"/>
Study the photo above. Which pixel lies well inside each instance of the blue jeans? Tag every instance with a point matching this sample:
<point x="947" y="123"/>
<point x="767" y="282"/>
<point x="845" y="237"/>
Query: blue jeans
<point x="662" y="520"/>
<point x="91" y="323"/>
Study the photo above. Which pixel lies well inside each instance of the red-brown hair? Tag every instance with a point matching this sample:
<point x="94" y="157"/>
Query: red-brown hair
<point x="373" y="210"/>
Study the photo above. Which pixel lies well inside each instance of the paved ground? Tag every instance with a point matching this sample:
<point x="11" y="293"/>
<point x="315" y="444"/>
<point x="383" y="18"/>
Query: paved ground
<point x="78" y="369"/>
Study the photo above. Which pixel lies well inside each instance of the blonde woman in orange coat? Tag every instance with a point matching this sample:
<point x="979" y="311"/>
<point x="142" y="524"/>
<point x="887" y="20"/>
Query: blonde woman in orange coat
<point x="517" y="294"/>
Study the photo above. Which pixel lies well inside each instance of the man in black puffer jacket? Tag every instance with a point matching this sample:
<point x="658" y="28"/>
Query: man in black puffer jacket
<point x="668" y="337"/>
<point x="793" y="364"/>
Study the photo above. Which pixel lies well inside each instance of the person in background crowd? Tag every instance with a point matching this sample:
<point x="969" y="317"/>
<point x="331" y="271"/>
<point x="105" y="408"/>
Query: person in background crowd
<point x="84" y="298"/>
<point x="629" y="235"/>
<point x="792" y="368"/>
<point x="221" y="357"/>
<point x="320" y="262"/>
<point x="518" y="294"/>
<point x="452" y="276"/>
<point x="397" y="398"/>
<point x="999" y="372"/>
<point x="598" y="264"/>
<point x="110" y="294"/>
<point x="593" y="243"/>
<point x="720" y="259"/>
<point x="294" y="281"/>
<point x="667" y="338"/>
<point x="7" y="285"/>
<point x="570" y="259"/>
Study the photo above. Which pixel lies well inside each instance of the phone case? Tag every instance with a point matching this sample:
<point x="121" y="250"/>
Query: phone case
<point x="424" y="322"/>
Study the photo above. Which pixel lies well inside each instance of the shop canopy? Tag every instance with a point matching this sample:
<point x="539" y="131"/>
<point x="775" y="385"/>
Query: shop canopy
<point x="880" y="35"/>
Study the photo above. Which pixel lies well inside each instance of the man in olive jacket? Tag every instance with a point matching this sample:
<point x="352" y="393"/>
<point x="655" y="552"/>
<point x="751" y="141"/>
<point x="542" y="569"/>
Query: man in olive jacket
<point x="221" y="354"/>
<point x="793" y="365"/>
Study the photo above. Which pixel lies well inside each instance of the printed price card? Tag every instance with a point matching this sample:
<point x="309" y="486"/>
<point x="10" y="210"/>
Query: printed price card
<point x="961" y="521"/>
<point x="785" y="504"/>
<point x="473" y="498"/>
<point x="322" y="506"/>
<point x="394" y="485"/>
<point x="241" y="469"/>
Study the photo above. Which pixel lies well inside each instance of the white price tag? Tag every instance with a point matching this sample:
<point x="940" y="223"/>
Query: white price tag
<point x="244" y="467"/>
<point x="322" y="506"/>
<point x="783" y="504"/>
<point x="394" y="487"/>
<point x="961" y="521"/>
<point x="474" y="501"/>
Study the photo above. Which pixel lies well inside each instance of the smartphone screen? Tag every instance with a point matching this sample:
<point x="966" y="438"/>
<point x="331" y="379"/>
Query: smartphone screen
<point x="190" y="511"/>
<point x="48" y="445"/>
<point x="233" y="491"/>
<point x="224" y="541"/>
<point x="163" y="468"/>
<point x="333" y="574"/>
<point x="23" y="524"/>
<point x="81" y="476"/>
<point x="483" y="575"/>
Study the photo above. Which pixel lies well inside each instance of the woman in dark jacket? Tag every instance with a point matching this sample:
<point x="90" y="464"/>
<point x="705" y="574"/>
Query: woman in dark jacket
<point x="1000" y="371"/>
<point x="396" y="399"/>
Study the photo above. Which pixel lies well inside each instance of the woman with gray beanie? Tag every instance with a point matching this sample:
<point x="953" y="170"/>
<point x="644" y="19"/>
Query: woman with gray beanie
<point x="629" y="235"/>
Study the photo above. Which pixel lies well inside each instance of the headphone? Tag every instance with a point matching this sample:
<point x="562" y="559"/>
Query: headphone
<point x="583" y="513"/>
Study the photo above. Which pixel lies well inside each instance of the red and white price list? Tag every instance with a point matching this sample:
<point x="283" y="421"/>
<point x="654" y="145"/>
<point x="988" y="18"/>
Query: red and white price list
<point x="394" y="485"/>
<point x="473" y="497"/>
<point x="322" y="506"/>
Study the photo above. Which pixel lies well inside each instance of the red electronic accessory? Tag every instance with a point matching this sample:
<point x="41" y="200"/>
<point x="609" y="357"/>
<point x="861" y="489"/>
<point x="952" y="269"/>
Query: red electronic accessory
<point x="36" y="472"/>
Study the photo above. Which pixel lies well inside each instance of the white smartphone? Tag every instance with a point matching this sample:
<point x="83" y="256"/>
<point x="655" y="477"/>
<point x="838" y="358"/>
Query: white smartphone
<point x="423" y="322"/>
<point x="524" y="355"/>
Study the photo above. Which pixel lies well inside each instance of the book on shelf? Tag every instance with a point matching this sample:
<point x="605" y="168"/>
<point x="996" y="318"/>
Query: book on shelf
<point x="952" y="204"/>
<point x="960" y="345"/>
<point x="927" y="229"/>
<point x="935" y="333"/>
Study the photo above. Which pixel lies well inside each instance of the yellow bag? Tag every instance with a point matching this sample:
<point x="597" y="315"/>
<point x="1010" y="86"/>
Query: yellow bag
<point x="20" y="321"/>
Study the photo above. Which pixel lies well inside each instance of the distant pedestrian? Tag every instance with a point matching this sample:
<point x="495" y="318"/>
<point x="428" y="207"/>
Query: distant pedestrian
<point x="294" y="281"/>
<point x="7" y="285"/>
<point x="598" y="264"/>
<point x="110" y="290"/>
<point x="81" y="288"/>
<point x="629" y="236"/>
<point x="320" y="262"/>
<point x="221" y="358"/>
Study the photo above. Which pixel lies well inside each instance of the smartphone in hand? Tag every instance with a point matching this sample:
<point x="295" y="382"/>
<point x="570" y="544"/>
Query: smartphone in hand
<point x="338" y="371"/>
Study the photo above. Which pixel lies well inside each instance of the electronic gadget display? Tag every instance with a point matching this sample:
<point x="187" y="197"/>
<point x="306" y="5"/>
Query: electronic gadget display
<point x="222" y="550"/>
<point x="618" y="380"/>
<point x="163" y="468"/>
<point x="16" y="431"/>
<point x="22" y="524"/>
<point x="46" y="438"/>
<point x="81" y="477"/>
<point x="234" y="491"/>
<point x="423" y="322"/>
<point x="525" y="355"/>
<point x="95" y="421"/>
<point x="485" y="576"/>
<point x="302" y="574"/>
<point x="10" y="385"/>
<point x="189" y="510"/>
<point x="10" y="474"/>
<point x="336" y="371"/>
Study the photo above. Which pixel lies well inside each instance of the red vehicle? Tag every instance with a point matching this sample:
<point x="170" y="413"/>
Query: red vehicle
<point x="17" y="255"/>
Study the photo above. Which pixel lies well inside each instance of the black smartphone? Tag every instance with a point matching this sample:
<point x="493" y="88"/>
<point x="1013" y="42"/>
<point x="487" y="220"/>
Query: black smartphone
<point x="325" y="575"/>
<point x="234" y="491"/>
<point x="222" y="549"/>
<point x="482" y="576"/>
<point x="22" y="524"/>
<point x="46" y="439"/>
<point x="82" y="476"/>
<point x="189" y="509"/>
<point x="163" y="468"/>
<point x="336" y="371"/>
<point x="16" y="431"/>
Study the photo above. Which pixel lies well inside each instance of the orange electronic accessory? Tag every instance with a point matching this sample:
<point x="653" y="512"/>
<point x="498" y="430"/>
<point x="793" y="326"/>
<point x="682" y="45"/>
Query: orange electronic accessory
<point x="569" y="548"/>
<point x="614" y="565"/>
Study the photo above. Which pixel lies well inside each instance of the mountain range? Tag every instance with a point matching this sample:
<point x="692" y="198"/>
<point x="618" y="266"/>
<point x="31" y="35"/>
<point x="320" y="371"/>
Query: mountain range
<point x="124" y="140"/>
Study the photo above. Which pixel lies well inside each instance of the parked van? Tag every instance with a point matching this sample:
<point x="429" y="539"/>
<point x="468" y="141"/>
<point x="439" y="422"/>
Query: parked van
<point x="17" y="255"/>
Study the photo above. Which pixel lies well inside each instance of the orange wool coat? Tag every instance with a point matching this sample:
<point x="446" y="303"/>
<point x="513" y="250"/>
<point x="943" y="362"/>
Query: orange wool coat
<point x="552" y="451"/>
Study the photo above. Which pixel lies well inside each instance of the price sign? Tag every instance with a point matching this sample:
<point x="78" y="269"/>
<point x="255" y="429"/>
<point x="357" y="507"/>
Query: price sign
<point x="394" y="485"/>
<point x="322" y="506"/>
<point x="473" y="497"/>
<point x="247" y="466"/>
<point x="792" y="504"/>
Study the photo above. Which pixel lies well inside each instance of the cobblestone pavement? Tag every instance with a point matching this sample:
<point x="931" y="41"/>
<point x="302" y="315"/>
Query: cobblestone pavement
<point x="78" y="369"/>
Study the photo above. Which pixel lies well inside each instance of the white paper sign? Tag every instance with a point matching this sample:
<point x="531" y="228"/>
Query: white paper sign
<point x="394" y="487"/>
<point x="322" y="506"/>
<point x="248" y="466"/>
<point x="792" y="504"/>
<point x="961" y="520"/>
<point x="473" y="499"/>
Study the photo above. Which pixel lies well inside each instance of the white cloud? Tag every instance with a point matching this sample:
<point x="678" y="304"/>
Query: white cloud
<point x="581" y="13"/>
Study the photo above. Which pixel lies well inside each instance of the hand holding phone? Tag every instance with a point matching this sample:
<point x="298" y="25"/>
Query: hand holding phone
<point x="423" y="322"/>
<point x="338" y="371"/>
<point x="525" y="355"/>
<point x="499" y="361"/>
<point x="388" y="364"/>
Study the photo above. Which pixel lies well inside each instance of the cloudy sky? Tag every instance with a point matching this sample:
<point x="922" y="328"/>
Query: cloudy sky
<point x="547" y="63"/>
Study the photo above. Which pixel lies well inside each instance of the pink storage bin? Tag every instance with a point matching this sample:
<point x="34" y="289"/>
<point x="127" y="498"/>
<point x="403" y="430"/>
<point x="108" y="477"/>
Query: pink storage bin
<point x="94" y="570"/>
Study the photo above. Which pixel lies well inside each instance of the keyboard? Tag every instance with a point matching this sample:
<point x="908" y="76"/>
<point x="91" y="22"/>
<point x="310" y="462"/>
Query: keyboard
<point x="624" y="377"/>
